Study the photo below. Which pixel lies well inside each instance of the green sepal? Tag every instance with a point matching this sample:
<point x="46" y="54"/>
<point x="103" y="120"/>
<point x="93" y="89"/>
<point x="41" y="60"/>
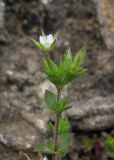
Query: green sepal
<point x="42" y="47"/>
<point x="43" y="34"/>
<point x="54" y="41"/>
<point x="37" y="44"/>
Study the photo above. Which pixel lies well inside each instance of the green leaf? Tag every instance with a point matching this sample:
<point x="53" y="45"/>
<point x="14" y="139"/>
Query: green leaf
<point x="109" y="144"/>
<point x="79" y="57"/>
<point x="88" y="144"/>
<point x="64" y="105"/>
<point x="50" y="99"/>
<point x="49" y="66"/>
<point x="67" y="70"/>
<point x="46" y="66"/>
<point x="46" y="148"/>
<point x="52" y="126"/>
<point x="64" y="142"/>
<point x="60" y="106"/>
<point x="64" y="126"/>
<point x="68" y="56"/>
<point x="67" y="60"/>
<point x="54" y="105"/>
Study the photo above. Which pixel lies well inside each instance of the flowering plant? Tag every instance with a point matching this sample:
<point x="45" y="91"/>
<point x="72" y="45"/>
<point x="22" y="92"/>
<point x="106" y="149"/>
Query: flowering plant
<point x="60" y="75"/>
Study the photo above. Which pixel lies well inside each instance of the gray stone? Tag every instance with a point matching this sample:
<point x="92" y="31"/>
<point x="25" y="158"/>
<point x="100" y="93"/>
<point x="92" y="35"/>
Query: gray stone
<point x="105" y="11"/>
<point x="3" y="33"/>
<point x="19" y="128"/>
<point x="95" y="114"/>
<point x="2" y="8"/>
<point x="23" y="123"/>
<point x="24" y="118"/>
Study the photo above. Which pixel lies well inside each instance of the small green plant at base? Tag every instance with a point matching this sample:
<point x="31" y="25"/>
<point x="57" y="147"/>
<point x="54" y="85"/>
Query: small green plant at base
<point x="60" y="75"/>
<point x="99" y="146"/>
<point x="109" y="146"/>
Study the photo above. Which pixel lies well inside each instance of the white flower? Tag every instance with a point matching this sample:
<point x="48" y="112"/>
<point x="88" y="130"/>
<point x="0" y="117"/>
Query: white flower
<point x="45" y="158"/>
<point x="47" y="41"/>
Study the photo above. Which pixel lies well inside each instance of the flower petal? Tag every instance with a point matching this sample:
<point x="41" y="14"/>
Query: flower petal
<point x="50" y="39"/>
<point x="43" y="40"/>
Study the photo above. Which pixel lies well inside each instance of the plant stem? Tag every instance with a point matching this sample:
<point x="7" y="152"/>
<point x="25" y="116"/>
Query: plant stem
<point x="56" y="133"/>
<point x="51" y="56"/>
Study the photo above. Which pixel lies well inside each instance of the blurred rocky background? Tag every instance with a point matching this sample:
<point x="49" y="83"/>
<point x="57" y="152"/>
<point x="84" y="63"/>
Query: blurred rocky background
<point x="24" y="118"/>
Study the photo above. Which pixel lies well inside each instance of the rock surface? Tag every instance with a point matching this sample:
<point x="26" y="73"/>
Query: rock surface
<point x="23" y="123"/>
<point x="2" y="8"/>
<point x="95" y="114"/>
<point x="105" y="10"/>
<point x="24" y="119"/>
<point x="3" y="33"/>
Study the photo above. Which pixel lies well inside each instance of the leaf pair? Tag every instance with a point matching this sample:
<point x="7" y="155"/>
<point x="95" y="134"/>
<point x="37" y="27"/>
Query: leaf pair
<point x="55" y="105"/>
<point x="64" y="126"/>
<point x="63" y="145"/>
<point x="67" y="70"/>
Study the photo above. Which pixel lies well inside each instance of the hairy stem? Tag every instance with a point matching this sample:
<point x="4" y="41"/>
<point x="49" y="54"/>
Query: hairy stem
<point x="56" y="133"/>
